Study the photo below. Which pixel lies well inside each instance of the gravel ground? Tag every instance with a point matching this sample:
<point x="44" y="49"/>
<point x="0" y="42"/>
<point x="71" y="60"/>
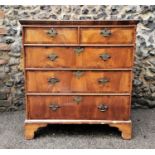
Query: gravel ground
<point x="78" y="136"/>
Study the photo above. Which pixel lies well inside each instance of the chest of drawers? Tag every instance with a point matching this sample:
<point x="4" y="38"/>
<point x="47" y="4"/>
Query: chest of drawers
<point x="78" y="72"/>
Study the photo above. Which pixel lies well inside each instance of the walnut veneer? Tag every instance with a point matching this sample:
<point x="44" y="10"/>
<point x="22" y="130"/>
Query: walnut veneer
<point x="78" y="72"/>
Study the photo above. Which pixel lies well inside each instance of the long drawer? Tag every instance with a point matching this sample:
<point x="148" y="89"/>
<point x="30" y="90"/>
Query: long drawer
<point x="79" y="107"/>
<point x="51" y="35"/>
<point x="79" y="57"/>
<point x="115" y="35"/>
<point x="78" y="81"/>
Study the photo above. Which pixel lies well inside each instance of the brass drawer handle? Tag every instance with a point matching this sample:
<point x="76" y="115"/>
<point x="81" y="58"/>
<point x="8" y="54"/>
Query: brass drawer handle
<point x="52" y="32"/>
<point x="53" y="80"/>
<point x="54" y="106"/>
<point x="102" y="107"/>
<point x="78" y="50"/>
<point x="105" y="56"/>
<point x="78" y="74"/>
<point x="52" y="57"/>
<point x="103" y="80"/>
<point x="105" y="32"/>
<point x="77" y="99"/>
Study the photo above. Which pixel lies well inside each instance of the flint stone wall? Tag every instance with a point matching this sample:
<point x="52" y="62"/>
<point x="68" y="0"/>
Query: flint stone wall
<point x="11" y="61"/>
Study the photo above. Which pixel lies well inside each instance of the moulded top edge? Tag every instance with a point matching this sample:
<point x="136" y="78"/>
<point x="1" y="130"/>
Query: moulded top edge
<point x="78" y="22"/>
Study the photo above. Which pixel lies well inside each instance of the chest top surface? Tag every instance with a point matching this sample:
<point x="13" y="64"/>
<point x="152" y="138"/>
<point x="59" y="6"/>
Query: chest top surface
<point x="78" y="22"/>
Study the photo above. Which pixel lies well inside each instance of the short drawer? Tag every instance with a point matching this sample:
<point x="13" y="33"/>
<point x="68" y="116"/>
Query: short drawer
<point x="79" y="107"/>
<point x="78" y="81"/>
<point x="50" y="35"/>
<point x="79" y="57"/>
<point x="107" y="35"/>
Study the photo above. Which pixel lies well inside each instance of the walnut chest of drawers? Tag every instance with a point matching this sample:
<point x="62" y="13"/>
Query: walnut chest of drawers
<point x="78" y="72"/>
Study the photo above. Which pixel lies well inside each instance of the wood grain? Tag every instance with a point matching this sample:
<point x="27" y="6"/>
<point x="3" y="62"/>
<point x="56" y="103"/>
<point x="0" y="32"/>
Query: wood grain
<point x="125" y="128"/>
<point x="75" y="45"/>
<point x="30" y="129"/>
<point x="39" y="35"/>
<point x="79" y="22"/>
<point x="88" y="58"/>
<point x="114" y="95"/>
<point x="118" y="36"/>
<point x="87" y="108"/>
<point x="119" y="81"/>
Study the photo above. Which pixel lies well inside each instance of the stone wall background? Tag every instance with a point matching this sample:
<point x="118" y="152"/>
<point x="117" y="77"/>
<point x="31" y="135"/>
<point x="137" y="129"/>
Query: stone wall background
<point x="11" y="70"/>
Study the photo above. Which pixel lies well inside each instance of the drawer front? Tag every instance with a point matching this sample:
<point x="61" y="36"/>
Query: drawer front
<point x="79" y="107"/>
<point x="75" y="57"/>
<point x="77" y="81"/>
<point x="107" y="35"/>
<point x="50" y="35"/>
